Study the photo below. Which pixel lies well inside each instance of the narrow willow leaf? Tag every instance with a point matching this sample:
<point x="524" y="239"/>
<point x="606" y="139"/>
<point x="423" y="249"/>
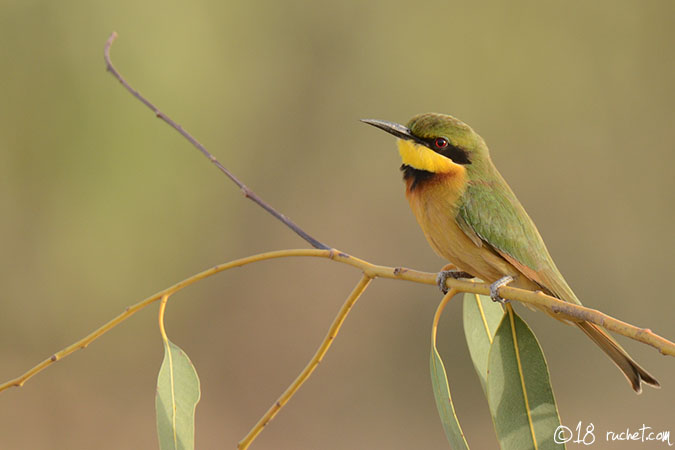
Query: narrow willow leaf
<point x="481" y="319"/>
<point x="177" y="397"/>
<point x="446" y="410"/>
<point x="519" y="391"/>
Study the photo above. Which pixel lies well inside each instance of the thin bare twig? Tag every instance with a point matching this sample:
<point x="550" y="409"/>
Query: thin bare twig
<point x="248" y="193"/>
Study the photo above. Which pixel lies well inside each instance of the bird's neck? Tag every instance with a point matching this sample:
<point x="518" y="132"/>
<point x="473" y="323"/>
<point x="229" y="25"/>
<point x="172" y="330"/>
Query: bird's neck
<point x="415" y="178"/>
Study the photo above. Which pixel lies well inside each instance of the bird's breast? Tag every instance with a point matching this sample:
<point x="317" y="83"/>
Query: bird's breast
<point x="435" y="203"/>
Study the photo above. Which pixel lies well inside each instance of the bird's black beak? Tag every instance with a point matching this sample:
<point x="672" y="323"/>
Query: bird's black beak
<point x="396" y="129"/>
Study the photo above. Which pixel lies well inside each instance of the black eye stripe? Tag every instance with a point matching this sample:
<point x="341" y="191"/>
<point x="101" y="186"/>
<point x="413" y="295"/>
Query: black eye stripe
<point x="456" y="154"/>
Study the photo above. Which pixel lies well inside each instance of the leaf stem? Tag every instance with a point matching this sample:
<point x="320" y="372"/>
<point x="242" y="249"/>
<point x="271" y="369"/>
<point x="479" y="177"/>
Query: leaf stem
<point x="162" y="308"/>
<point x="439" y="311"/>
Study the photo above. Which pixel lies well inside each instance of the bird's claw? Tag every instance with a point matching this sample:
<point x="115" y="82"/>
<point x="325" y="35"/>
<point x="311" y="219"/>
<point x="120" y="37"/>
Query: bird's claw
<point x="494" y="289"/>
<point x="443" y="275"/>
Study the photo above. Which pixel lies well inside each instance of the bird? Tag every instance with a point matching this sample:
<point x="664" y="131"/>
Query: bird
<point x="471" y="217"/>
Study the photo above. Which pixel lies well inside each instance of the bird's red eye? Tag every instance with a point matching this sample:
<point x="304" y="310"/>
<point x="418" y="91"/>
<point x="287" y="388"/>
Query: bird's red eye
<point x="441" y="143"/>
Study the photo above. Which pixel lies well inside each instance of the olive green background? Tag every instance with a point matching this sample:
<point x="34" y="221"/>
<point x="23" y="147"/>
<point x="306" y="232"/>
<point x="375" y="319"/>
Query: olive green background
<point x="101" y="205"/>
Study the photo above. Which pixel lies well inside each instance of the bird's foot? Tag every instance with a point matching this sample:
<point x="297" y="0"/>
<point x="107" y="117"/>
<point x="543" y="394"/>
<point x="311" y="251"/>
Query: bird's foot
<point x="494" y="289"/>
<point x="443" y="275"/>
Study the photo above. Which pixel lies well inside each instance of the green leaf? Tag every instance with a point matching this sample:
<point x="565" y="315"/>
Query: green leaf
<point x="481" y="319"/>
<point x="177" y="397"/>
<point x="519" y="391"/>
<point x="446" y="410"/>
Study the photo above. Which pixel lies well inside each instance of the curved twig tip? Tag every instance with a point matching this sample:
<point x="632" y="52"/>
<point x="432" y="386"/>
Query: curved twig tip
<point x="109" y="42"/>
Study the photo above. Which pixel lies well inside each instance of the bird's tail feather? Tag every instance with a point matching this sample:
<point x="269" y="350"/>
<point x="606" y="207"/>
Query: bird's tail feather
<point x="632" y="370"/>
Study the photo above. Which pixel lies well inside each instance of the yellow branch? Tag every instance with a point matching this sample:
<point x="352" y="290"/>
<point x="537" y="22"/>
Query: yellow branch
<point x="307" y="371"/>
<point x="555" y="306"/>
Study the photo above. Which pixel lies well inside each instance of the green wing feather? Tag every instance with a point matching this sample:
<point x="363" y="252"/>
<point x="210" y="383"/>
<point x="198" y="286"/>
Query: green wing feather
<point x="490" y="213"/>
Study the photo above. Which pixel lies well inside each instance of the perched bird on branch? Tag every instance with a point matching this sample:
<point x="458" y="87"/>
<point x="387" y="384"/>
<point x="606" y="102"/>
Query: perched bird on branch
<point x="472" y="218"/>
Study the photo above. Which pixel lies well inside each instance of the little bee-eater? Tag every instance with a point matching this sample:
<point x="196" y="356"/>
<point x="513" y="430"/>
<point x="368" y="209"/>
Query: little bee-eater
<point x="471" y="217"/>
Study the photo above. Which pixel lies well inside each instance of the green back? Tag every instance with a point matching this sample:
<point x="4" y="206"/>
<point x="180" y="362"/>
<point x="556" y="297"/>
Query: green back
<point x="490" y="210"/>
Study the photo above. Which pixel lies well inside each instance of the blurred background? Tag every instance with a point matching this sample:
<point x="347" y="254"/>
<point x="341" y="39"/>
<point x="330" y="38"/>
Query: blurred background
<point x="102" y="205"/>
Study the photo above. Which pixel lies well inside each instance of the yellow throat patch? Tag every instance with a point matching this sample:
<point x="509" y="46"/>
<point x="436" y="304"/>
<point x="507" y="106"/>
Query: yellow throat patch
<point x="423" y="158"/>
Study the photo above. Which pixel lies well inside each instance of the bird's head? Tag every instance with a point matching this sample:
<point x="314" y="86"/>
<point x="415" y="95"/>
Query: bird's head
<point x="436" y="143"/>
